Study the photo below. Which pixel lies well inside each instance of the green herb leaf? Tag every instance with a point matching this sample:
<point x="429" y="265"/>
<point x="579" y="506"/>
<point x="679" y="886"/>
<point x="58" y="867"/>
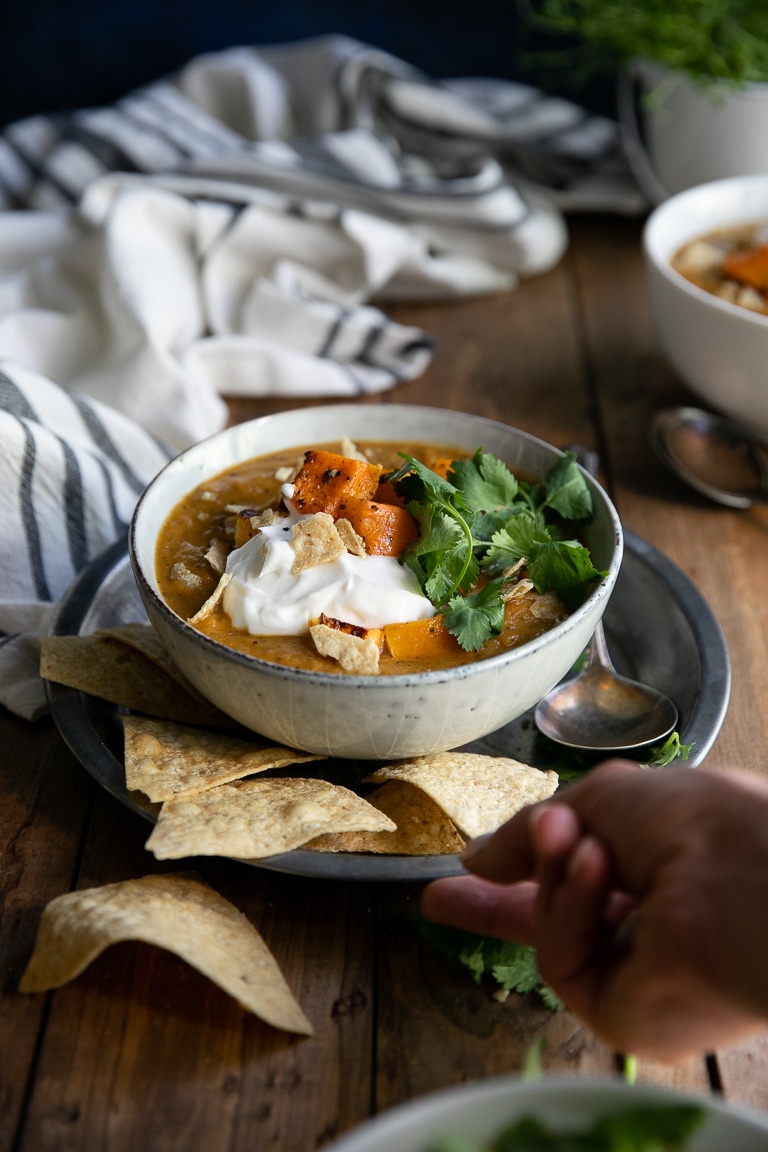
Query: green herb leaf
<point x="511" y="966"/>
<point x="672" y="749"/>
<point x="515" y="541"/>
<point x="472" y="619"/>
<point x="563" y="565"/>
<point x="486" y="519"/>
<point x="567" y="490"/>
<point x="485" y="481"/>
<point x="711" y="40"/>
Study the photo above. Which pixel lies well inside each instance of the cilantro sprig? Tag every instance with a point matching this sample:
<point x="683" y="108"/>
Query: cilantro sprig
<point x="479" y="521"/>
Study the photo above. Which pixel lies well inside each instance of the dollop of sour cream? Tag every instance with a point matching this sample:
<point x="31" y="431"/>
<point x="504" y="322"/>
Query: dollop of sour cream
<point x="266" y="598"/>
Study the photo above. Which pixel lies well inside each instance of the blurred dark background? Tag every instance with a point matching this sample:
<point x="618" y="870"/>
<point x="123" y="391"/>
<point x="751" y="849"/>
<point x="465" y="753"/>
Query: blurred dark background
<point x="59" y="54"/>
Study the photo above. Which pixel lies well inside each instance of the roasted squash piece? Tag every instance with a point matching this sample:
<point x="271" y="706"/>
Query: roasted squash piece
<point x="386" y="529"/>
<point x="748" y="266"/>
<point x="325" y="479"/>
<point x="420" y="640"/>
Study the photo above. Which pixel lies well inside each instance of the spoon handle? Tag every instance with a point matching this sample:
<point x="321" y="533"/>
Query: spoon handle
<point x="597" y="650"/>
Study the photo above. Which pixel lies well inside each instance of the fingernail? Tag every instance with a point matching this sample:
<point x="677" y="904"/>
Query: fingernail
<point x="579" y="858"/>
<point x="475" y="847"/>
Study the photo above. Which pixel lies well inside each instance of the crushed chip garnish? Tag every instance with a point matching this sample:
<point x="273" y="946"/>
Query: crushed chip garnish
<point x="478" y="792"/>
<point x="257" y="818"/>
<point x="217" y="556"/>
<point x="181" y="914"/>
<point x="209" y="605"/>
<point x="358" y="655"/>
<point x="423" y="828"/>
<point x="104" y="666"/>
<point x="165" y="760"/>
<point x="350" y="539"/>
<point x="316" y="541"/>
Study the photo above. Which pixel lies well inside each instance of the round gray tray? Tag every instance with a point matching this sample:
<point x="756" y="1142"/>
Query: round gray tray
<point x="659" y="629"/>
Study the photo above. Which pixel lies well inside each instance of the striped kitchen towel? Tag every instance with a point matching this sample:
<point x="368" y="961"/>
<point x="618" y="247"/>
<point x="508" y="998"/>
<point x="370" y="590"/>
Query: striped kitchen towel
<point x="71" y="471"/>
<point x="227" y="230"/>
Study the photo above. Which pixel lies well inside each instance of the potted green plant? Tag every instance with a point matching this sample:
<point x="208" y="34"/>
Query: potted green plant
<point x="693" y="81"/>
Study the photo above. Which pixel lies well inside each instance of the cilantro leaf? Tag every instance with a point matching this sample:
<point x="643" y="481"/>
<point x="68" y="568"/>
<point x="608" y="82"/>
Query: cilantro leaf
<point x="472" y="619"/>
<point x="485" y="481"/>
<point x="672" y="749"/>
<point x="516" y="540"/>
<point x="567" y="491"/>
<point x="481" y="516"/>
<point x="511" y="966"/>
<point x="563" y="565"/>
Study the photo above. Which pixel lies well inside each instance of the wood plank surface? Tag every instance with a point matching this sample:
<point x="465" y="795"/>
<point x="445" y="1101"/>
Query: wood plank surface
<point x="141" y="1050"/>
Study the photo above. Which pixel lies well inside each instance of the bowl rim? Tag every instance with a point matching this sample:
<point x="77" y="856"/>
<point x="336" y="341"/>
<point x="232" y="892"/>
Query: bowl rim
<point x="307" y="676"/>
<point x="660" y="262"/>
<point x="595" y="1091"/>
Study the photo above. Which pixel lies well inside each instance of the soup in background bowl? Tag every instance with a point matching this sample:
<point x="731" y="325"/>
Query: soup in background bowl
<point x="718" y="346"/>
<point x="367" y="716"/>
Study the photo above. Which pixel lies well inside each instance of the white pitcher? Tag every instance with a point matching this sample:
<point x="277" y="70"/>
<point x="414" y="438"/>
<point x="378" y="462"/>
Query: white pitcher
<point x="678" y="134"/>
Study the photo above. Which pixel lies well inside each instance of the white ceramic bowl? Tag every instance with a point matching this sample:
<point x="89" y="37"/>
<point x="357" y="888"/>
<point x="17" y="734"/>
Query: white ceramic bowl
<point x="479" y="1111"/>
<point x="367" y="717"/>
<point x="719" y="349"/>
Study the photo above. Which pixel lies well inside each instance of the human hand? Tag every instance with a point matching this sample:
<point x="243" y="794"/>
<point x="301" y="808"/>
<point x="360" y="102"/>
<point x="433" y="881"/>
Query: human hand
<point x="645" y="895"/>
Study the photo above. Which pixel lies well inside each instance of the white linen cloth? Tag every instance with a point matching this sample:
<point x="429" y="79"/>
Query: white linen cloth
<point x="225" y="231"/>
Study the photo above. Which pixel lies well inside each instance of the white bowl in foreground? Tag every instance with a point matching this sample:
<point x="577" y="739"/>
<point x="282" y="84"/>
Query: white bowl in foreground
<point x="368" y="717"/>
<point x="720" y="349"/>
<point x="479" y="1111"/>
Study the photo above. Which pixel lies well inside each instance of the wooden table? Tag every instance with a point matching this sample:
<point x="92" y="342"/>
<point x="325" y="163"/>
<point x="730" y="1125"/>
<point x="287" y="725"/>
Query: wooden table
<point x="142" y="1052"/>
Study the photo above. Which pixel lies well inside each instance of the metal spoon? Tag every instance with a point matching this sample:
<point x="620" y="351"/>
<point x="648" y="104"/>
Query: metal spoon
<point x="712" y="454"/>
<point x="599" y="710"/>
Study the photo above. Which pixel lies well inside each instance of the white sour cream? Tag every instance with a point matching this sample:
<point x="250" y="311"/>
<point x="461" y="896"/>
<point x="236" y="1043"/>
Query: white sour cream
<point x="267" y="599"/>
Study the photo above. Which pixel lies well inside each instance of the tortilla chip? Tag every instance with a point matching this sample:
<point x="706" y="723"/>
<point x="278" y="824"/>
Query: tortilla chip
<point x="206" y="608"/>
<point x="256" y="818"/>
<point x="166" y="760"/>
<point x="423" y="829"/>
<point x="479" y="793"/>
<point x="217" y="556"/>
<point x="120" y="673"/>
<point x="316" y="541"/>
<point x="179" y="913"/>
<point x="350" y="539"/>
<point x="358" y="655"/>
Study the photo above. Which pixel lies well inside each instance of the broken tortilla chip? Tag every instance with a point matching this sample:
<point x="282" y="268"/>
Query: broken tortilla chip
<point x="479" y="793"/>
<point x="252" y="819"/>
<point x="205" y="609"/>
<point x="423" y="829"/>
<point x="179" y="913"/>
<point x="358" y="655"/>
<point x="316" y="541"/>
<point x="163" y="759"/>
<point x="121" y="673"/>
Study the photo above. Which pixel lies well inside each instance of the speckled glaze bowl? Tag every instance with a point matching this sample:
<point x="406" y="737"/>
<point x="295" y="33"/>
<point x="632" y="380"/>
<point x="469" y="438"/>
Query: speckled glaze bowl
<point x="720" y="349"/>
<point x="367" y="717"/>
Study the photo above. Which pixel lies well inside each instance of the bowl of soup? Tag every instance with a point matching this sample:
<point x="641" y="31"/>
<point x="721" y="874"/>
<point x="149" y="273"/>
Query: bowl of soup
<point x="287" y="575"/>
<point x="706" y="251"/>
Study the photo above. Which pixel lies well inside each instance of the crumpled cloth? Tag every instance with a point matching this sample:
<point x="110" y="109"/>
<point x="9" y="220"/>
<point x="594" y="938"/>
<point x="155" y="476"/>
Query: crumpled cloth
<point x="226" y="232"/>
<point x="223" y="232"/>
<point x="71" y="471"/>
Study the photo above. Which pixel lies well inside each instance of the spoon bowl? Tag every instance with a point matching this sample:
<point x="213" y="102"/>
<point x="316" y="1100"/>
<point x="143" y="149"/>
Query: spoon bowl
<point x="713" y="455"/>
<point x="601" y="711"/>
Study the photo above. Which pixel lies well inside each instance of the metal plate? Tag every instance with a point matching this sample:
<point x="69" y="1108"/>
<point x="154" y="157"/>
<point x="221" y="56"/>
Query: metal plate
<point x="659" y="629"/>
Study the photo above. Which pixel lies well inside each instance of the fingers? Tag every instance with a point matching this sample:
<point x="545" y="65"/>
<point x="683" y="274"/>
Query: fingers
<point x="510" y="854"/>
<point x="476" y="905"/>
<point x="571" y="921"/>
